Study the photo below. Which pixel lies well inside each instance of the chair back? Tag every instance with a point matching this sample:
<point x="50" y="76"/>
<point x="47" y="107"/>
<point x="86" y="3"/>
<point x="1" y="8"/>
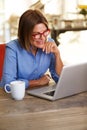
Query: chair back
<point x="2" y="54"/>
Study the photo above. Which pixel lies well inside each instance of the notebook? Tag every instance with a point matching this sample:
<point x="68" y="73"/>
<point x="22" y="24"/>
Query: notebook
<point x="73" y="80"/>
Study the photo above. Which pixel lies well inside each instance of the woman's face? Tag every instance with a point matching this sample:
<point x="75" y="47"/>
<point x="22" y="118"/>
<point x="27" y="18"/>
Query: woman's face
<point x="39" y="35"/>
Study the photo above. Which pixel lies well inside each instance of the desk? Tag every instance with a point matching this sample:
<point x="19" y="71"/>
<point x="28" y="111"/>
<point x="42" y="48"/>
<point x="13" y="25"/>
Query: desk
<point x="38" y="114"/>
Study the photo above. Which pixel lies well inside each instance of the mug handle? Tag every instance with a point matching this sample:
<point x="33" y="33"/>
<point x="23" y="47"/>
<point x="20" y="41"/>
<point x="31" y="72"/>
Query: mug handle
<point x="7" y="90"/>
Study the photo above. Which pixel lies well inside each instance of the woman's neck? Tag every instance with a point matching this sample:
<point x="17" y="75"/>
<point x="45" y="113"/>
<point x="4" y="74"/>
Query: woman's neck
<point x="34" y="50"/>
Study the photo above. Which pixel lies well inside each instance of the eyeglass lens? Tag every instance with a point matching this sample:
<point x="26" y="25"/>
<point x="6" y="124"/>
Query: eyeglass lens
<point x="39" y="35"/>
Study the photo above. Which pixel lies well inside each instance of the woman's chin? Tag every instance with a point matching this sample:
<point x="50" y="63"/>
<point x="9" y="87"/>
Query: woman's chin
<point x="40" y="46"/>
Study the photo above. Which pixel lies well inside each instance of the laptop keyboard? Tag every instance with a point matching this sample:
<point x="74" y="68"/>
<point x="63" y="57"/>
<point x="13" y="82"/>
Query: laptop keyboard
<point x="51" y="93"/>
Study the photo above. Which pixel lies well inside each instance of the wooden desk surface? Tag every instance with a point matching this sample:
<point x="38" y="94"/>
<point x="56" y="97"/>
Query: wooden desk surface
<point x="38" y="114"/>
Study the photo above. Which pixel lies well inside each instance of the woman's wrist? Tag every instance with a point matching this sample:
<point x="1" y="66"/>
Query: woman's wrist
<point x="34" y="83"/>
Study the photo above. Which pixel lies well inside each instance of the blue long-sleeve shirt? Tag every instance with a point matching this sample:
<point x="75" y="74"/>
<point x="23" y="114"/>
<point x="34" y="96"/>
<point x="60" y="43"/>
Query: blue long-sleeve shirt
<point x="20" y="64"/>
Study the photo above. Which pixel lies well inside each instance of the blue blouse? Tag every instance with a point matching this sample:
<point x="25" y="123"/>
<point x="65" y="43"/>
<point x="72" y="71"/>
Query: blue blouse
<point x="20" y="64"/>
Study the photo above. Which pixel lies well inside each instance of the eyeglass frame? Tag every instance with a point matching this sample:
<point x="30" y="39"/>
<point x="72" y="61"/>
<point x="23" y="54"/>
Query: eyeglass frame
<point x="41" y="34"/>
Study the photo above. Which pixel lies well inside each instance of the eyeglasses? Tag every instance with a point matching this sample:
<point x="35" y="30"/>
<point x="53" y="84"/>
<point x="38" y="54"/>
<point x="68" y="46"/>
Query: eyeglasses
<point x="39" y="35"/>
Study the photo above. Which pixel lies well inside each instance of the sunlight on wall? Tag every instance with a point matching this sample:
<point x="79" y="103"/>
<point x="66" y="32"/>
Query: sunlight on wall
<point x="13" y="7"/>
<point x="17" y="6"/>
<point x="52" y="7"/>
<point x="70" y="6"/>
<point x="73" y="47"/>
<point x="82" y="2"/>
<point x="59" y="6"/>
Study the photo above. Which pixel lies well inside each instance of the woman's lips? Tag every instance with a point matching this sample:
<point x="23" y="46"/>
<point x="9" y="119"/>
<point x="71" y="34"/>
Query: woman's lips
<point x="40" y="42"/>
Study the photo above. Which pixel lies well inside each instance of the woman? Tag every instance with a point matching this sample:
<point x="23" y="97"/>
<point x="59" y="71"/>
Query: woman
<point x="33" y="53"/>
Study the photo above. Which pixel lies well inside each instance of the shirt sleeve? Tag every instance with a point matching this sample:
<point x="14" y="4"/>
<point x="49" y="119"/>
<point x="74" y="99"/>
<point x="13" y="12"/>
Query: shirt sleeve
<point x="10" y="67"/>
<point x="52" y="65"/>
<point x="52" y="69"/>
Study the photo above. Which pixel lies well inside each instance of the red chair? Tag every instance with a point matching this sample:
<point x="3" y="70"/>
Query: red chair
<point x="2" y="54"/>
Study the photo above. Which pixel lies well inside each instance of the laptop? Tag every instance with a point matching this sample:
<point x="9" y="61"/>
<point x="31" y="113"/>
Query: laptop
<point x="73" y="80"/>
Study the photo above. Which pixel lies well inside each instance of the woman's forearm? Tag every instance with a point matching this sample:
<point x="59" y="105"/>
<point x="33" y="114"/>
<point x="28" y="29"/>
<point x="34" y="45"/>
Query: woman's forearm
<point x="44" y="80"/>
<point x="59" y="63"/>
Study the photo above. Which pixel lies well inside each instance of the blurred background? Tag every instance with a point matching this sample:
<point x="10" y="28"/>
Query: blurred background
<point x="67" y="21"/>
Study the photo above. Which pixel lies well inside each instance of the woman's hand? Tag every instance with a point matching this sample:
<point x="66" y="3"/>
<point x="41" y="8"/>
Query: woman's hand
<point x="51" y="47"/>
<point x="44" y="80"/>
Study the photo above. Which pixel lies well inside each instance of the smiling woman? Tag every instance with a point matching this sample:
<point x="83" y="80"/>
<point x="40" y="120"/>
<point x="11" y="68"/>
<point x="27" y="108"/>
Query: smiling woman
<point x="32" y="53"/>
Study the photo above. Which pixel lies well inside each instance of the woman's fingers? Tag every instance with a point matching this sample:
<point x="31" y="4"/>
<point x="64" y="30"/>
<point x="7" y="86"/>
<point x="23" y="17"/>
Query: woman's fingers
<point x="49" y="47"/>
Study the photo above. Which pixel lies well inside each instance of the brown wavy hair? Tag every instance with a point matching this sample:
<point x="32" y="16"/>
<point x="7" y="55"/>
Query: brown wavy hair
<point x="26" y="24"/>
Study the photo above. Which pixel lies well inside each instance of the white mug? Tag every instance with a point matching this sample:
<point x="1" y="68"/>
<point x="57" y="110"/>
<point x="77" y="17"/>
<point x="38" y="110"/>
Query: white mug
<point x="17" y="89"/>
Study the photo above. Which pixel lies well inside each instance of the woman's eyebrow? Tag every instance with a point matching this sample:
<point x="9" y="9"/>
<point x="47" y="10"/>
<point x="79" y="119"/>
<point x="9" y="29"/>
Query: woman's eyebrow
<point x="40" y="32"/>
